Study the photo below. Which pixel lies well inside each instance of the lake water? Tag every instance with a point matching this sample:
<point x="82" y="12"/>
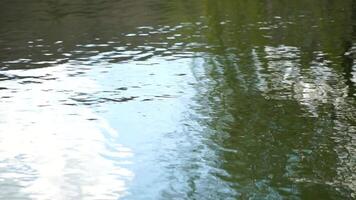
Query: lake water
<point x="178" y="99"/>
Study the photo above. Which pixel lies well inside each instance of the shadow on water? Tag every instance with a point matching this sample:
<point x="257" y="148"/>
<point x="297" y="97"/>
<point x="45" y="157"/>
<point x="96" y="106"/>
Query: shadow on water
<point x="177" y="99"/>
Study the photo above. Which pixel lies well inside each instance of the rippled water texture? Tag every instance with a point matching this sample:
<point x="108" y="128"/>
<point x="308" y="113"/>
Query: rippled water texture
<point x="179" y="99"/>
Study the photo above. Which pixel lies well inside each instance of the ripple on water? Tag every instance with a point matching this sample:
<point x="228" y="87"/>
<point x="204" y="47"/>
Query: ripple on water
<point x="173" y="99"/>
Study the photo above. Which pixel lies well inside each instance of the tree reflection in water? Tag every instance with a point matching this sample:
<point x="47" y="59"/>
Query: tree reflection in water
<point x="277" y="98"/>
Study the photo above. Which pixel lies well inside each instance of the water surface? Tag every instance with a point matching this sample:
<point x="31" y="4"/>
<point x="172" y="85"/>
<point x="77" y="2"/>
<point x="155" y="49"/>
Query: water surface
<point x="153" y="99"/>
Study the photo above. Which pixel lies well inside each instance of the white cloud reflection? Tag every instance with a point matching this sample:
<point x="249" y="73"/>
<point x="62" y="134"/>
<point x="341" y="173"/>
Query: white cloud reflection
<point x="50" y="149"/>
